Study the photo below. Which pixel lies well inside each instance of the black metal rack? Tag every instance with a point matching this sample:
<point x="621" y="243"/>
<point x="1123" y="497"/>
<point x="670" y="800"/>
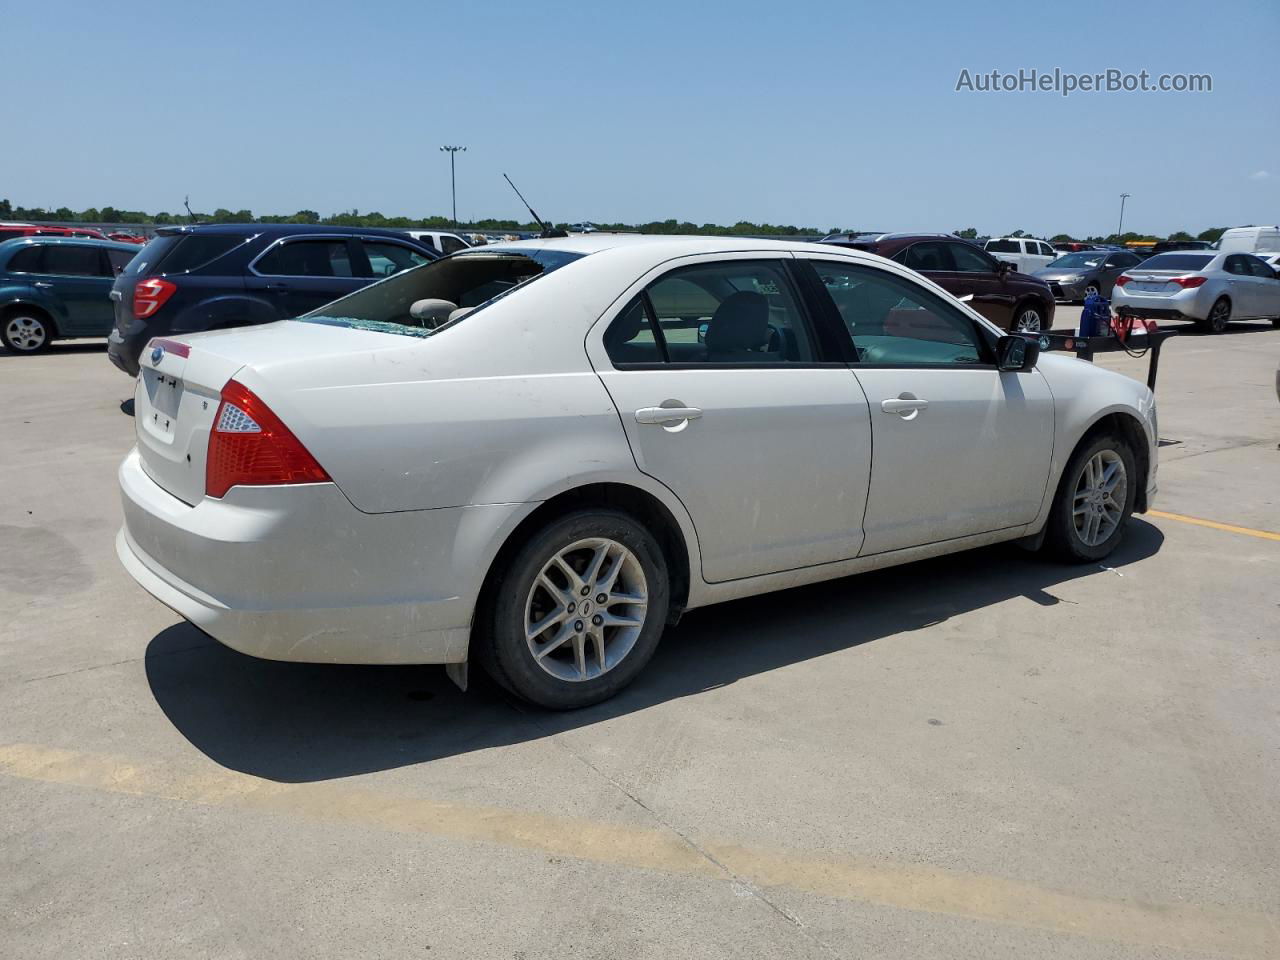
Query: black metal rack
<point x="1086" y="347"/>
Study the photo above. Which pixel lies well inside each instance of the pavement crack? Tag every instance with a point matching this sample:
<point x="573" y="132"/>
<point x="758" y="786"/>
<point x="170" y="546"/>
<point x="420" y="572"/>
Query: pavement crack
<point x="113" y="663"/>
<point x="738" y="881"/>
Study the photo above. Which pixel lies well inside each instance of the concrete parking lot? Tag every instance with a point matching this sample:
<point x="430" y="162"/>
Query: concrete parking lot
<point x="987" y="755"/>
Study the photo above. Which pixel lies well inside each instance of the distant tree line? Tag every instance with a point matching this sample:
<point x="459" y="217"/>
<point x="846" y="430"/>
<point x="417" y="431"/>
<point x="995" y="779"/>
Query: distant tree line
<point x="353" y="218"/>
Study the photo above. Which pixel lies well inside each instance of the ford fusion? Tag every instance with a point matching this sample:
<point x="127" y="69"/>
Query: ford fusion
<point x="538" y="455"/>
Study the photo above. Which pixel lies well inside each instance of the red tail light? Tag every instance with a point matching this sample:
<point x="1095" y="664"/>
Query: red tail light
<point x="1189" y="283"/>
<point x="150" y="295"/>
<point x="1122" y="280"/>
<point x="249" y="445"/>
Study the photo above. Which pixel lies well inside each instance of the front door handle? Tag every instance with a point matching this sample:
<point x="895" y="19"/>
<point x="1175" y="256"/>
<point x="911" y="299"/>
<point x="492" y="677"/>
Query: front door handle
<point x="906" y="406"/>
<point x="42" y="285"/>
<point x="667" y="416"/>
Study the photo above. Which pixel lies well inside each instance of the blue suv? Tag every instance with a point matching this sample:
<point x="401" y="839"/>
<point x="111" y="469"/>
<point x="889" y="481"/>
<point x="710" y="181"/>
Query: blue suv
<point x="53" y="288"/>
<point x="210" y="276"/>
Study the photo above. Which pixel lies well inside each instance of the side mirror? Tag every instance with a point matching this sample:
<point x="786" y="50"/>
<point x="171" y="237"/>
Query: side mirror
<point x="1016" y="353"/>
<point x="1004" y="266"/>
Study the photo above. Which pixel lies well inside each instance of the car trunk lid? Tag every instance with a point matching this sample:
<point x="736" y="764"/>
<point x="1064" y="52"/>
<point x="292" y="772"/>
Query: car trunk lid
<point x="180" y="385"/>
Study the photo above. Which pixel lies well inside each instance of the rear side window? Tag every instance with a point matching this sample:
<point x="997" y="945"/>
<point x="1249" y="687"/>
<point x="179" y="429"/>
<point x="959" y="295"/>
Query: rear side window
<point x="26" y="260"/>
<point x="929" y="255"/>
<point x="66" y="260"/>
<point x="630" y="338"/>
<point x="386" y="258"/>
<point x="119" y="259"/>
<point x="195" y="251"/>
<point x="307" y="258"/>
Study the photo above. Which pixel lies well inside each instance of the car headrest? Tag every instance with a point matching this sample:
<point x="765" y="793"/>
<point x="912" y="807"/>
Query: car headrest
<point x="432" y="312"/>
<point x="741" y="322"/>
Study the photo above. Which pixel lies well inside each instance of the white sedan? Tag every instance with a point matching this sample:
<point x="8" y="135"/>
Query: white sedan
<point x="539" y="454"/>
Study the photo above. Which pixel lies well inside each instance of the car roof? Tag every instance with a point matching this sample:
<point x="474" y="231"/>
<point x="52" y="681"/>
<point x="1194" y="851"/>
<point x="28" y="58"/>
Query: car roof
<point x="674" y="245"/>
<point x="53" y="239"/>
<point x="276" y="229"/>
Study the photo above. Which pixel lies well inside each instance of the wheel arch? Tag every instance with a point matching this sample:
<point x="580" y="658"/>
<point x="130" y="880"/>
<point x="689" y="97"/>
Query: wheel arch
<point x="19" y="304"/>
<point x="645" y="506"/>
<point x="1129" y="428"/>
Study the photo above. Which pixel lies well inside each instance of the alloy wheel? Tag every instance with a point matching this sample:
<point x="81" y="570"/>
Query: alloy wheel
<point x="1091" y="291"/>
<point x="1028" y="322"/>
<point x="586" y="609"/>
<point x="1098" y="504"/>
<point x="25" y="333"/>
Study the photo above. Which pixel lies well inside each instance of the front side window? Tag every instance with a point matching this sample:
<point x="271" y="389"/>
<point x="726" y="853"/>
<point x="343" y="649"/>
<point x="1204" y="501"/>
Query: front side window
<point x="66" y="260"/>
<point x="1045" y="250"/>
<point x="893" y="321"/>
<point x="386" y="258"/>
<point x="1259" y="268"/>
<point x="307" y="258"/>
<point x="732" y="312"/>
<point x="451" y="245"/>
<point x="969" y="260"/>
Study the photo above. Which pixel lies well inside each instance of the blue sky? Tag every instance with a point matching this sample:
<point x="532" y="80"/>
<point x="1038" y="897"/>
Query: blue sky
<point x="819" y="113"/>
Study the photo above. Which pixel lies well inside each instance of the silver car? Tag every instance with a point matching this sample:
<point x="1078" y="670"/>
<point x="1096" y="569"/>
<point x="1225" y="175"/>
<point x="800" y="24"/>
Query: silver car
<point x="1210" y="288"/>
<point x="1075" y="276"/>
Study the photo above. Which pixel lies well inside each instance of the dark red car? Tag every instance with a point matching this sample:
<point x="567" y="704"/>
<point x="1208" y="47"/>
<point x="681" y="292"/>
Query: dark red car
<point x="1011" y="300"/>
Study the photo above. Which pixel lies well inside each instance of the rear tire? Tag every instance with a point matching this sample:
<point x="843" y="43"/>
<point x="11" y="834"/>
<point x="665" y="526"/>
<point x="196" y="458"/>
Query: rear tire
<point x="587" y="649"/>
<point x="26" y="331"/>
<point x="1218" y="318"/>
<point x="1094" y="500"/>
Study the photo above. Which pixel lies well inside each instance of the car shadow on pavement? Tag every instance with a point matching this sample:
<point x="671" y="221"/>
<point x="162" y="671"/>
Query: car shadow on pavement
<point x="299" y="723"/>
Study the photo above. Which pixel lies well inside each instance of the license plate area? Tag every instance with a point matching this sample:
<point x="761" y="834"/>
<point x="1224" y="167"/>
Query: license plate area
<point x="164" y="397"/>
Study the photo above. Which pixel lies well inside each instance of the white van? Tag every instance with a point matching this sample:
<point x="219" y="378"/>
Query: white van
<point x="1250" y="240"/>
<point x="1025" y="253"/>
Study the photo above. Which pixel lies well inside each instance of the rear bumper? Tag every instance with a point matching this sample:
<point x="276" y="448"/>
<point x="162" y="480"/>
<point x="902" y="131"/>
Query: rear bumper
<point x="1191" y="304"/>
<point x="296" y="573"/>
<point x="124" y="349"/>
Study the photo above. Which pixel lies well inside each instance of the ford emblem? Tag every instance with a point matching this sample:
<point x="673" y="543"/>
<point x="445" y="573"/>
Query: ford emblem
<point x="156" y="356"/>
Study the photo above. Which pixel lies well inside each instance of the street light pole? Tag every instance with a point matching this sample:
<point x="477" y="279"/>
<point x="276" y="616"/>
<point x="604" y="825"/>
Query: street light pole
<point x="1120" y="229"/>
<point x="453" y="179"/>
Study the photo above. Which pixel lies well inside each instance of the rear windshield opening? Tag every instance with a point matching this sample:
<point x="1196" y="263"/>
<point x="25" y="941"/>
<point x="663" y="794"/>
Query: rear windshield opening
<point x="419" y="302"/>
<point x="1177" y="261"/>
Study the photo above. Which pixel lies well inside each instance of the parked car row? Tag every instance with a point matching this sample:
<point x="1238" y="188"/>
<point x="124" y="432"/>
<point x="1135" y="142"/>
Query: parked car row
<point x="187" y="279"/>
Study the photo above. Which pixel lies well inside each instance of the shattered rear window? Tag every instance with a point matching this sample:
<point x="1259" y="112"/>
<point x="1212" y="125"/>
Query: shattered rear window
<point x="424" y="300"/>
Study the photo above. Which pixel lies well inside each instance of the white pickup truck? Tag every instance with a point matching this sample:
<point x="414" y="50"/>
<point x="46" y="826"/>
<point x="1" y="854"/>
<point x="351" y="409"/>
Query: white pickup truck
<point x="1026" y="253"/>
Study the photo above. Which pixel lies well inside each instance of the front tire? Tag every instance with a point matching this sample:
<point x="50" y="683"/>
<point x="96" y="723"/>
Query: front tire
<point x="1094" y="500"/>
<point x="1219" y="316"/>
<point x="543" y="630"/>
<point x="25" y="331"/>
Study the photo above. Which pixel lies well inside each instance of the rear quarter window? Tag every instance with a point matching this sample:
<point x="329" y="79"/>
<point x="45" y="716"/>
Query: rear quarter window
<point x="196" y="251"/>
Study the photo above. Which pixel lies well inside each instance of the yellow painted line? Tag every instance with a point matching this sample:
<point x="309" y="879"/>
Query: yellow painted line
<point x="1209" y="930"/>
<point x="1215" y="525"/>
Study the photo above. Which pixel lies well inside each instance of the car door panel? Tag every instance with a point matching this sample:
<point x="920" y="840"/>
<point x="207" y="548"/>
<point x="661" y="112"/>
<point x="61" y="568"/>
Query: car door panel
<point x="774" y="470"/>
<point x="770" y="450"/>
<point x="974" y="460"/>
<point x="960" y="448"/>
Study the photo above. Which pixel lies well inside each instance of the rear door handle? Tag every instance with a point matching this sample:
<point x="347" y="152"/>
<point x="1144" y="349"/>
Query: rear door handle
<point x="42" y="285"/>
<point x="667" y="416"/>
